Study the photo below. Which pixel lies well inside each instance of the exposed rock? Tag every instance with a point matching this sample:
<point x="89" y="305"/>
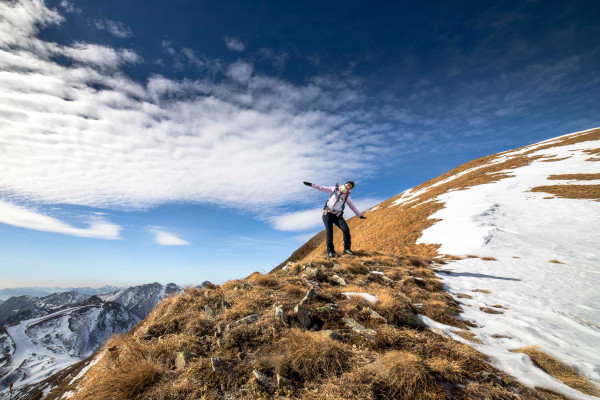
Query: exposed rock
<point x="358" y="328"/>
<point x="328" y="333"/>
<point x="336" y="267"/>
<point x="374" y="314"/>
<point x="262" y="379"/>
<point x="250" y="319"/>
<point x="304" y="316"/>
<point x="315" y="273"/>
<point x="217" y="363"/>
<point x="339" y="280"/>
<point x="309" y="296"/>
<point x="328" y="308"/>
<point x="182" y="358"/>
<point x="281" y="315"/>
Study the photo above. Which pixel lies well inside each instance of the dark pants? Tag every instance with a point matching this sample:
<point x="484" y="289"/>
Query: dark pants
<point x="329" y="220"/>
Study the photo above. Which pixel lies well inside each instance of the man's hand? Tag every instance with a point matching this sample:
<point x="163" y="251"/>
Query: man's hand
<point x="307" y="183"/>
<point x="362" y="217"/>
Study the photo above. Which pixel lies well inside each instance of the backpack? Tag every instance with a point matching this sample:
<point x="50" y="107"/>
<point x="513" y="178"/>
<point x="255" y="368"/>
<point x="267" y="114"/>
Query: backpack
<point x="337" y="213"/>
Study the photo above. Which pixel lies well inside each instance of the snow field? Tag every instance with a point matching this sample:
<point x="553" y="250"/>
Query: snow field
<point x="550" y="305"/>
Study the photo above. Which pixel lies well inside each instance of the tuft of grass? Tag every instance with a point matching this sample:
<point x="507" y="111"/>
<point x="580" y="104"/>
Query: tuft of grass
<point x="305" y="356"/>
<point x="559" y="370"/>
<point x="464" y="296"/>
<point x="263" y="280"/>
<point x="489" y="258"/>
<point x="472" y="256"/>
<point x="482" y="291"/>
<point x="555" y="261"/>
<point x="490" y="310"/>
<point x="468" y="335"/>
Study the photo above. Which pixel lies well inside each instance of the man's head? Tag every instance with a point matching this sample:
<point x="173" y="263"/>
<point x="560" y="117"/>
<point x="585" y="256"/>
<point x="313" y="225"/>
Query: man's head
<point x="349" y="185"/>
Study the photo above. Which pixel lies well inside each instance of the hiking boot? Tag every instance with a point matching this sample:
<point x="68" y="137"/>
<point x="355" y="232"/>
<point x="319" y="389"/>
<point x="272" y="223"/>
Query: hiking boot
<point x="331" y="255"/>
<point x="349" y="252"/>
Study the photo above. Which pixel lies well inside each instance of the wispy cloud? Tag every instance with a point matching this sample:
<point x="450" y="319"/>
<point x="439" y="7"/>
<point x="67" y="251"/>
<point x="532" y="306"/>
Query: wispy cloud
<point x="234" y="44"/>
<point x="99" y="138"/>
<point x="310" y="219"/>
<point x="165" y="238"/>
<point x="15" y="215"/>
<point x="115" y="28"/>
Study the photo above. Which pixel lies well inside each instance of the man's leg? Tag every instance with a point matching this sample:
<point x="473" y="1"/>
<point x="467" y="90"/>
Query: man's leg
<point x="341" y="223"/>
<point x="328" y="220"/>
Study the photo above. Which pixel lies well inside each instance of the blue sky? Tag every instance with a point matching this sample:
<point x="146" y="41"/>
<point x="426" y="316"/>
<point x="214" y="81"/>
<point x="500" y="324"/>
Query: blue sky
<point x="167" y="141"/>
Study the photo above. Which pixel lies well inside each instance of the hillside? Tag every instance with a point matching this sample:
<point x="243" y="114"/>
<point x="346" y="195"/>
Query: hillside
<point x="463" y="287"/>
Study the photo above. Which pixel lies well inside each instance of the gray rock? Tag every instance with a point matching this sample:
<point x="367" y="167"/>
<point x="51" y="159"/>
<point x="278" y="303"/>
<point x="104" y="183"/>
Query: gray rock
<point x="374" y="314"/>
<point x="182" y="358"/>
<point x="250" y="319"/>
<point x="304" y="317"/>
<point x="281" y="315"/>
<point x="339" y="280"/>
<point x="262" y="379"/>
<point x="309" y="296"/>
<point x="358" y="328"/>
<point x="315" y="273"/>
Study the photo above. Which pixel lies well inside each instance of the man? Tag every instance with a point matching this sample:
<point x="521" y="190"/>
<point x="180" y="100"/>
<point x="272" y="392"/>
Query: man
<point x="333" y="213"/>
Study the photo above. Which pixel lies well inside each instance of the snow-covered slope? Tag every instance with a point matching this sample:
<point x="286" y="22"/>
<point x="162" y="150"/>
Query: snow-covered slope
<point x="547" y="272"/>
<point x="49" y="334"/>
<point x="37" y="348"/>
<point x="141" y="299"/>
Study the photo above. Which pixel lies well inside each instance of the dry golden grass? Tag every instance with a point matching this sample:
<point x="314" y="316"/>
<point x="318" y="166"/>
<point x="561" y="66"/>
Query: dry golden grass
<point x="482" y="291"/>
<point x="577" y="177"/>
<point x="555" y="261"/>
<point x="304" y="355"/>
<point x="468" y="335"/>
<point x="554" y="159"/>
<point x="401" y="360"/>
<point x="490" y="310"/>
<point x="489" y="258"/>
<point x="559" y="370"/>
<point x="571" y="191"/>
<point x="464" y="296"/>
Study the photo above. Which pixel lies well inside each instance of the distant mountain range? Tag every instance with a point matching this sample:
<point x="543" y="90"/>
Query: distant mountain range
<point x="7" y="293"/>
<point x="42" y="335"/>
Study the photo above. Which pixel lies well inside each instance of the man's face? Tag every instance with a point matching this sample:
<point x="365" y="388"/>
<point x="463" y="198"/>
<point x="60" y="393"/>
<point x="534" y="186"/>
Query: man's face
<point x="348" y="186"/>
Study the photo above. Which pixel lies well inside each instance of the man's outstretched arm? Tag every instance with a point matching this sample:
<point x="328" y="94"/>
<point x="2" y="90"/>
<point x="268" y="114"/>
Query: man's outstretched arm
<point x="321" y="188"/>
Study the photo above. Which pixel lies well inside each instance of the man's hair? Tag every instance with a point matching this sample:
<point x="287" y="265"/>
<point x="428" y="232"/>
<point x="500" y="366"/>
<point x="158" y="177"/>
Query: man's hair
<point x="350" y="182"/>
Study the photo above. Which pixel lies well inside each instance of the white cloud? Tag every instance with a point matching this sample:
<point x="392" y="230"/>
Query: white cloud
<point x="234" y="44"/>
<point x="310" y="219"/>
<point x="165" y="238"/>
<point x="115" y="28"/>
<point x="12" y="214"/>
<point x="240" y="71"/>
<point x="84" y="133"/>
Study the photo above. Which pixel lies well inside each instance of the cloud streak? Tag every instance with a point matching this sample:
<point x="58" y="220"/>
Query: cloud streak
<point x="84" y="133"/>
<point x="165" y="238"/>
<point x="99" y="228"/>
